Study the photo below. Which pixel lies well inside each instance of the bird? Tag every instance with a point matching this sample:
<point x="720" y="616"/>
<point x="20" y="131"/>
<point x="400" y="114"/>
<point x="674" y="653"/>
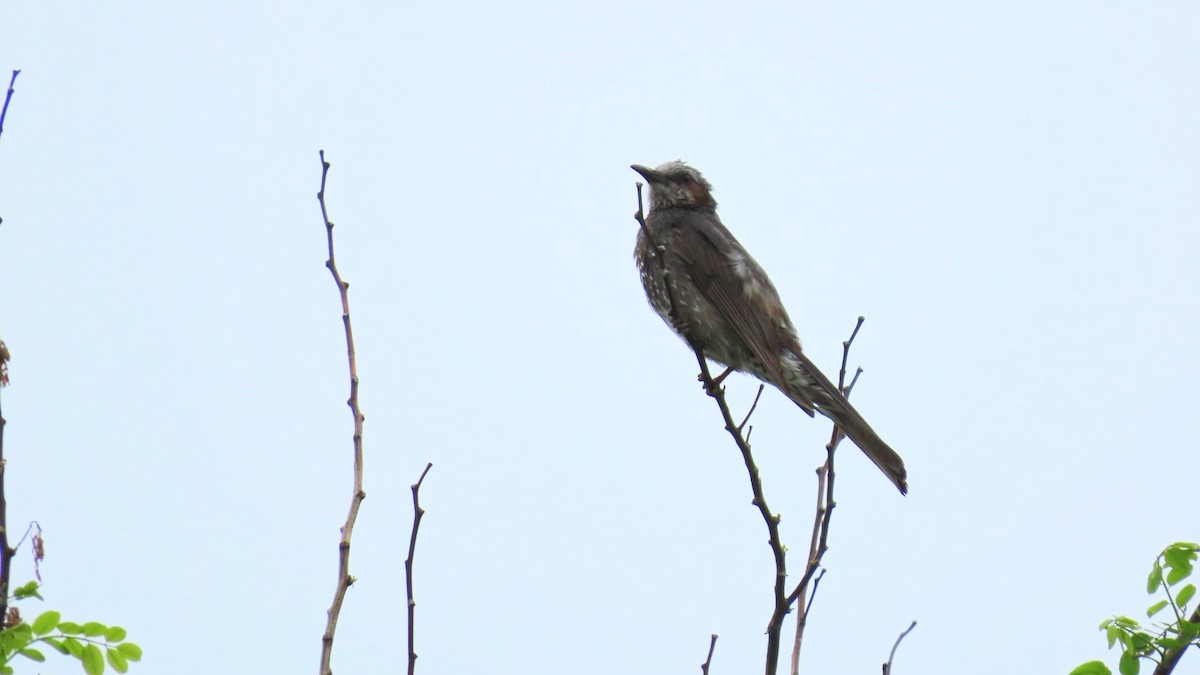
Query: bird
<point x="725" y="304"/>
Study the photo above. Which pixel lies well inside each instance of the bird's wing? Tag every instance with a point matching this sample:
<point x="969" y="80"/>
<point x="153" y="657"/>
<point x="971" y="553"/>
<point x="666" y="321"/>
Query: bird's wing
<point x="732" y="282"/>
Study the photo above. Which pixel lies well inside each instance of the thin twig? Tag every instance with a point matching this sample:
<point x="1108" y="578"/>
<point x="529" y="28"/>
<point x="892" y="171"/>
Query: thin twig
<point x="887" y="667"/>
<point x="718" y="393"/>
<point x="772" y="520"/>
<point x="418" y="512"/>
<point x="7" y="98"/>
<point x="818" y="542"/>
<point x="853" y="381"/>
<point x="816" y="550"/>
<point x="344" y="580"/>
<point x="752" y="407"/>
<point x="659" y="250"/>
<point x="39" y="551"/>
<point x="815" y="585"/>
<point x="712" y="644"/>
<point x="6" y="552"/>
<point x="846" y="350"/>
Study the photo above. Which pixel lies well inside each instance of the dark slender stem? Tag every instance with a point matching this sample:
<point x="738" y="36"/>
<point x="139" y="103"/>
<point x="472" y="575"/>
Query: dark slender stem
<point x="7" y="98"/>
<point x="418" y="513"/>
<point x="818" y="542"/>
<point x="712" y="644"/>
<point x="782" y="602"/>
<point x="815" y="585"/>
<point x="887" y="667"/>
<point x="659" y="250"/>
<point x="752" y="407"/>
<point x="718" y="393"/>
<point x="774" y="539"/>
<point x="344" y="579"/>
<point x="846" y="351"/>
<point x="6" y="552"/>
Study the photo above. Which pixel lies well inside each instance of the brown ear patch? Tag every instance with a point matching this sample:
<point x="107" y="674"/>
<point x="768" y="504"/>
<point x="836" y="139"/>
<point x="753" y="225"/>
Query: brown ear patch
<point x="699" y="194"/>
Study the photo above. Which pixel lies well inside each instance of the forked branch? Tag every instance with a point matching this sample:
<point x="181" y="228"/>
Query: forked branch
<point x="715" y="390"/>
<point x="418" y="513"/>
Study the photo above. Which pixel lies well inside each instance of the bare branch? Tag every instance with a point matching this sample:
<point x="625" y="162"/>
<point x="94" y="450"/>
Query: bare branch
<point x="887" y="667"/>
<point x="818" y="542"/>
<point x="815" y="585"/>
<point x="418" y="513"/>
<point x="752" y="407"/>
<point x="708" y="661"/>
<point x="715" y="390"/>
<point x="344" y="580"/>
<point x="8" y="97"/>
<point x="825" y="475"/>
<point x="6" y="552"/>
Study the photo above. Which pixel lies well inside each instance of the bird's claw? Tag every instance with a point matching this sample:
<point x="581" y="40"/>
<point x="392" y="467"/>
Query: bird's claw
<point x="713" y="387"/>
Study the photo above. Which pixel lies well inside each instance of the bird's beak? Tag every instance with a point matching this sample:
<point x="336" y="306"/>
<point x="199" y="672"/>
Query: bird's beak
<point x="649" y="174"/>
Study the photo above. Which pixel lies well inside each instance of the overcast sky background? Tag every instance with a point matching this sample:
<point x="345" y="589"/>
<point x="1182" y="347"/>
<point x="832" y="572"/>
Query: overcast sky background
<point x="1007" y="193"/>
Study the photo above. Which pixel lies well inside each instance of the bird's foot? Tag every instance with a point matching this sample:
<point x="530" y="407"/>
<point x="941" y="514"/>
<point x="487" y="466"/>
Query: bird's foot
<point x="714" y="387"/>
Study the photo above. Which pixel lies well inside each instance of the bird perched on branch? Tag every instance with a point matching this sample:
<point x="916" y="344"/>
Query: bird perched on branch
<point x="717" y="298"/>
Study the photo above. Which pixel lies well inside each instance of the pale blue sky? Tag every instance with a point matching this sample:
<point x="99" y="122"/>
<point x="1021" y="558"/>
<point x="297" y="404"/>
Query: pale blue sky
<point x="1007" y="193"/>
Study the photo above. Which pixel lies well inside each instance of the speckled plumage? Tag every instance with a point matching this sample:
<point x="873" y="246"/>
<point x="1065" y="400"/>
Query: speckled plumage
<point x="726" y="304"/>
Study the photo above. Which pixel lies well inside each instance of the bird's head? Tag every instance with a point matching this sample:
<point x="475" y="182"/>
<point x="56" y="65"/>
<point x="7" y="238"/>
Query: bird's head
<point x="677" y="185"/>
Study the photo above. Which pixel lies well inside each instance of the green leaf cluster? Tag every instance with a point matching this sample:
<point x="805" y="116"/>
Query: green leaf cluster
<point x="1152" y="643"/>
<point x="94" y="644"/>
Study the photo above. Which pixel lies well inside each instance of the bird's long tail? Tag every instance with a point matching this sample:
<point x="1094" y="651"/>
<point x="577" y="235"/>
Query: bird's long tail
<point x="856" y="429"/>
<point x="816" y="392"/>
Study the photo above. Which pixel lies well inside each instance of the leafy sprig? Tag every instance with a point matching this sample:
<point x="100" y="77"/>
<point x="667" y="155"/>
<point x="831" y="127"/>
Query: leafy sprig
<point x="94" y="644"/>
<point x="1164" y="642"/>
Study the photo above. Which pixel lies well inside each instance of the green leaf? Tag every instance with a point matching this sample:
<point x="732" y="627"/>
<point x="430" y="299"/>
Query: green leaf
<point x="29" y="590"/>
<point x="1179" y="555"/>
<point x="46" y="622"/>
<point x="69" y="627"/>
<point x="94" y="629"/>
<point x="8" y="642"/>
<point x="15" y="638"/>
<point x="1113" y="634"/>
<point x="117" y="660"/>
<point x="74" y="647"/>
<point x="1188" y="630"/>
<point x="56" y="644"/>
<point x="1190" y="548"/>
<point x="1178" y="574"/>
<point x="1156" y="608"/>
<point x="17" y="635"/>
<point x="114" y="634"/>
<point x="130" y="651"/>
<point x="1155" y="579"/>
<point x="1142" y="642"/>
<point x="1127" y="623"/>
<point x="1170" y="643"/>
<point x="1129" y="664"/>
<point x="93" y="660"/>
<point x="1092" y="668"/>
<point x="6" y="670"/>
<point x="31" y="653"/>
<point x="1185" y="594"/>
<point x="1179" y="563"/>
